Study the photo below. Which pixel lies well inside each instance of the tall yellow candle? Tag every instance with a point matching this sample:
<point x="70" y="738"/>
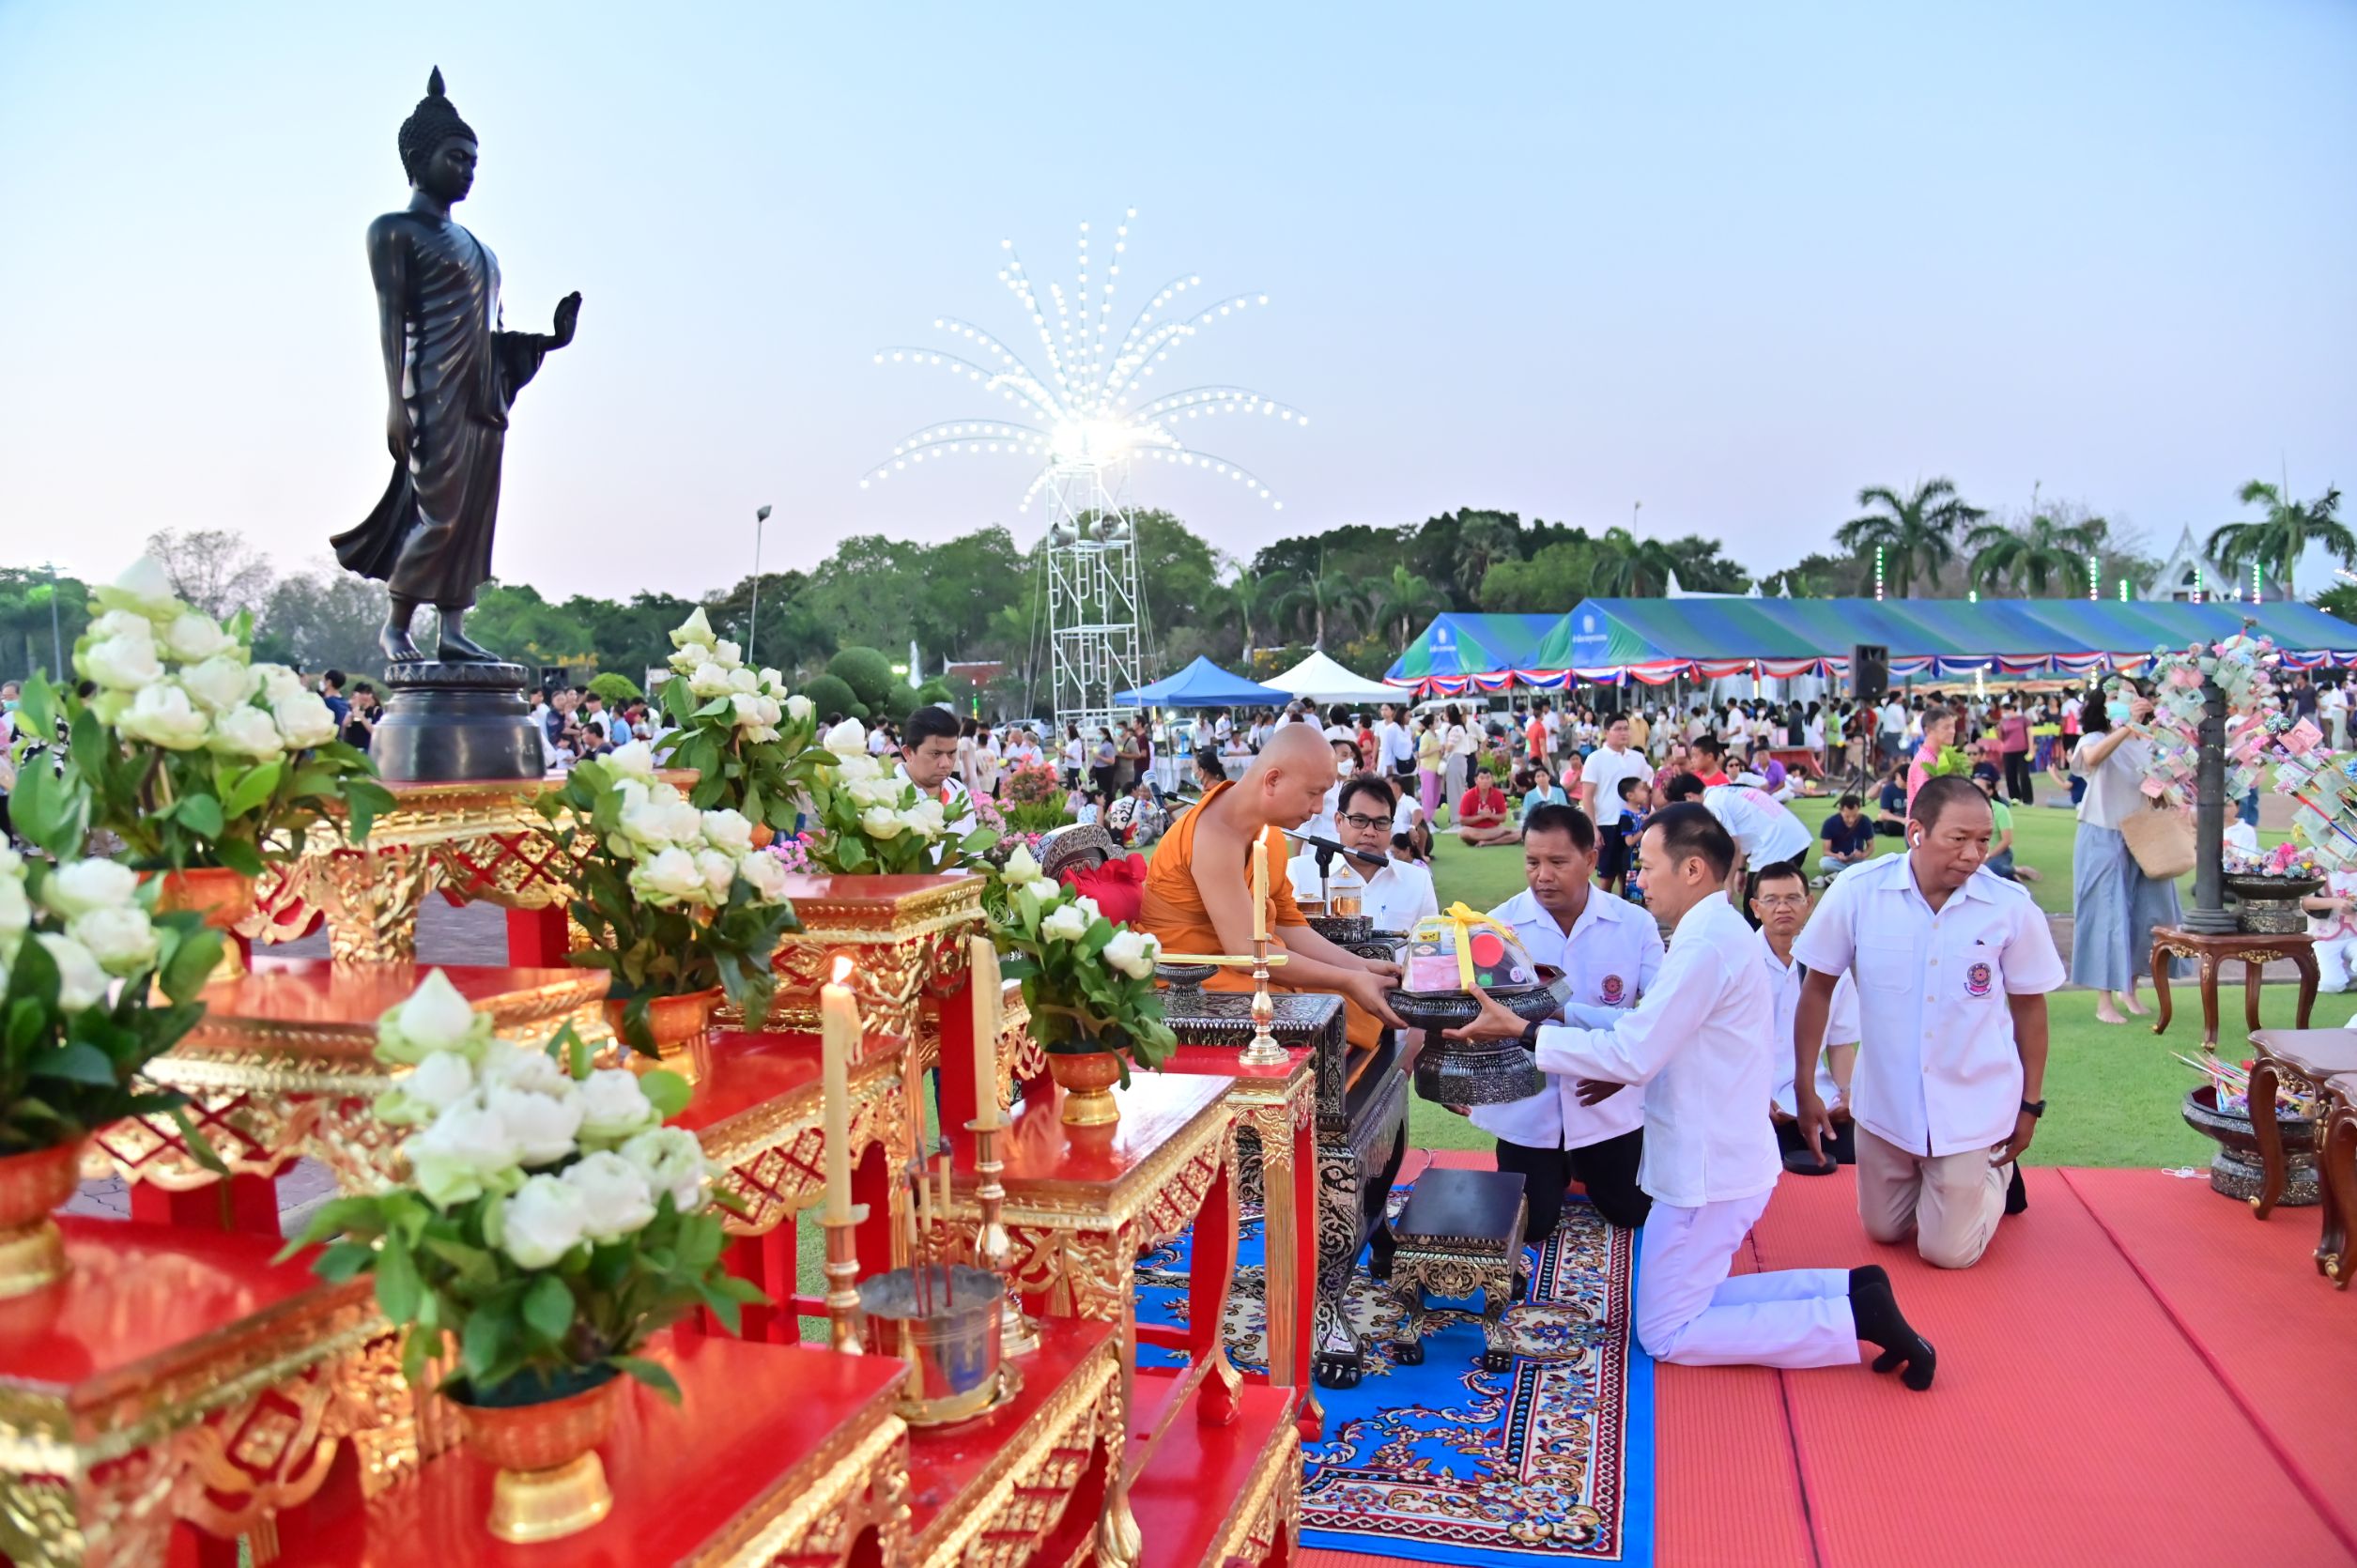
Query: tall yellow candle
<point x="839" y="1039"/>
<point x="1260" y="889"/>
<point x="989" y="999"/>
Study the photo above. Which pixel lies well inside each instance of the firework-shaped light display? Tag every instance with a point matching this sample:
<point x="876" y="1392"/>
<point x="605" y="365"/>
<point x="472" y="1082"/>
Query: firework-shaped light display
<point x="1088" y="404"/>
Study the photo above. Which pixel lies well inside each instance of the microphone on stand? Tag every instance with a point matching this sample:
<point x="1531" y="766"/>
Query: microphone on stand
<point x="1327" y="849"/>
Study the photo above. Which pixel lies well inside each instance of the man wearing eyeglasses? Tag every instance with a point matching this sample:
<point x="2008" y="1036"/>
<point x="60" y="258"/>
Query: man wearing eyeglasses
<point x="1398" y="893"/>
<point x="1780" y="903"/>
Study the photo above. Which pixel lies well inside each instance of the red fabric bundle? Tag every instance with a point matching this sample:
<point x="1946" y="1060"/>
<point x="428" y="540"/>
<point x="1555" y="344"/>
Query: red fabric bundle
<point x="1117" y="886"/>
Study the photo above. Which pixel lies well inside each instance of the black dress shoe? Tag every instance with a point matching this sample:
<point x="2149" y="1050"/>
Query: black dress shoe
<point x="2016" y="1194"/>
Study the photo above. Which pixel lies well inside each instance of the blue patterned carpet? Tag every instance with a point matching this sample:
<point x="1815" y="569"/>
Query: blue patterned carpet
<point x="1447" y="1463"/>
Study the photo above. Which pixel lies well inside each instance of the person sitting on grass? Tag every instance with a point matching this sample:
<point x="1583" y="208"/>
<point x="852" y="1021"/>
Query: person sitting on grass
<point x="1847" y="835"/>
<point x="1480" y="813"/>
<point x="1539" y="788"/>
<point x="1890" y="805"/>
<point x="2001" y="861"/>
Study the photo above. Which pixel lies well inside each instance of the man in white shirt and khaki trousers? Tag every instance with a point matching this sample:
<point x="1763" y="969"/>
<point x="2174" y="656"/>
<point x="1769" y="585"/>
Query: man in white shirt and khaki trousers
<point x="1953" y="965"/>
<point x="1699" y="1044"/>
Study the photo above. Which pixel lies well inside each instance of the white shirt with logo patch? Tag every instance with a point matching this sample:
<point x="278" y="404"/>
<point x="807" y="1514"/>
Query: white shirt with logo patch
<point x="1611" y="954"/>
<point x="1937" y="1069"/>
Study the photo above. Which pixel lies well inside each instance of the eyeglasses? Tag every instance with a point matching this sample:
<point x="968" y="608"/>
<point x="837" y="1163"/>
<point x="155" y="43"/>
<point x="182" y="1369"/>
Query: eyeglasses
<point x="1364" y="824"/>
<point x="1782" y="901"/>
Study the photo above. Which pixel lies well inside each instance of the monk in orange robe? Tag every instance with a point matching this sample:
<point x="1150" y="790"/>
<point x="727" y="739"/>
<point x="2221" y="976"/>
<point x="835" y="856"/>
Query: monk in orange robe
<point x="1198" y="890"/>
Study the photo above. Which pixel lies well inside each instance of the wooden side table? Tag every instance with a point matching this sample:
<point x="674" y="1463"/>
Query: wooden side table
<point x="2309" y="1056"/>
<point x="1461" y="1233"/>
<point x="2254" y="950"/>
<point x="2336" y="1178"/>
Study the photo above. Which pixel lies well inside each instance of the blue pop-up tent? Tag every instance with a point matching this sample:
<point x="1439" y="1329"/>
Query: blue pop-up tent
<point x="1203" y="684"/>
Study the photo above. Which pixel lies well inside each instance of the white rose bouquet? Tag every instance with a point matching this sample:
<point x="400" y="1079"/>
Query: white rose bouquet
<point x="674" y="900"/>
<point x="189" y="752"/>
<point x="82" y="958"/>
<point x="870" y="820"/>
<point x="552" y="1221"/>
<point x="750" y="740"/>
<point x="1089" y="981"/>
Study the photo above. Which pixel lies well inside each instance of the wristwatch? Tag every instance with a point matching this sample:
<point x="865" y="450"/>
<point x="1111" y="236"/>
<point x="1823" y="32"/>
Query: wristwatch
<point x="1530" y="1036"/>
<point x="2034" y="1107"/>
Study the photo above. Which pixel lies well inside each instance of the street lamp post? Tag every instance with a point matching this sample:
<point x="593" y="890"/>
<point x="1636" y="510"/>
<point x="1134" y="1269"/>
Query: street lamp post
<point x="57" y="639"/>
<point x="755" y="622"/>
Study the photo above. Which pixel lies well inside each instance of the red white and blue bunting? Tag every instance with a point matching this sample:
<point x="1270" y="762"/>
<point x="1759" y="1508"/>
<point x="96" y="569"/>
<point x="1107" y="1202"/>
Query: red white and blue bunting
<point x="1660" y="672"/>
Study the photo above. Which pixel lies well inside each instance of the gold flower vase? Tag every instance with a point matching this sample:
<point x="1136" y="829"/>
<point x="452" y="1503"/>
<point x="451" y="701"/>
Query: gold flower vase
<point x="682" y="1027"/>
<point x="1088" y="1078"/>
<point x="551" y="1482"/>
<point x="32" y="1252"/>
<point x="222" y="896"/>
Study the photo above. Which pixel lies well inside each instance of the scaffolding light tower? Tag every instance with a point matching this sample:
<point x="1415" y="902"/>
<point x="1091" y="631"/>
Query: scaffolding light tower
<point x="1096" y="620"/>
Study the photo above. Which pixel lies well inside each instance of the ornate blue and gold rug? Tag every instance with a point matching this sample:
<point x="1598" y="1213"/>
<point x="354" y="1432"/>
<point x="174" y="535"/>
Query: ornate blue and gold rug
<point x="1447" y="1463"/>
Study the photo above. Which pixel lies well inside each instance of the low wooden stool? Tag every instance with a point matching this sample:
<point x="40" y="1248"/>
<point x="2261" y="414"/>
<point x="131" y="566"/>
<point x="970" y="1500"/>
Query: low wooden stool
<point x="1461" y="1233"/>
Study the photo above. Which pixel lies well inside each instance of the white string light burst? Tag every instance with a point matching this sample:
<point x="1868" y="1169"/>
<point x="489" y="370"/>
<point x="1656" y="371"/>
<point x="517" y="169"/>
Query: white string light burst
<point x="1085" y="412"/>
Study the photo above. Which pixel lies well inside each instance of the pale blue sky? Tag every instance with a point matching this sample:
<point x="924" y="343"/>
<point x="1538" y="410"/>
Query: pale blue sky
<point x="1733" y="260"/>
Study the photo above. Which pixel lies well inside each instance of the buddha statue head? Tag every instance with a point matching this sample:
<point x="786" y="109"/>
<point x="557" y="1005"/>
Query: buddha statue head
<point x="437" y="149"/>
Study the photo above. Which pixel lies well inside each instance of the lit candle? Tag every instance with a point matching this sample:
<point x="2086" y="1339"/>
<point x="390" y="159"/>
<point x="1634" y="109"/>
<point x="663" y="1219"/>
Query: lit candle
<point x="1260" y="889"/>
<point x="988" y="1000"/>
<point x="839" y="1039"/>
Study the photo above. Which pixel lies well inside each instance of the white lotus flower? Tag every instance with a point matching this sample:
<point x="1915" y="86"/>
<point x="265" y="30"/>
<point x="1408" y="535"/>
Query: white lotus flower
<point x="614" y="1107"/>
<point x="222" y="683"/>
<point x="718" y="871"/>
<point x="467" y="1152"/>
<point x="728" y="832"/>
<point x="508" y="1066"/>
<point x="695" y="631"/>
<point x="926" y="819"/>
<point x="162" y="716"/>
<point x="16" y="919"/>
<point x="81" y="981"/>
<point x="124" y="662"/>
<point x="634" y="761"/>
<point x="121" y="622"/>
<point x="438" y="1083"/>
<point x="858" y="769"/>
<point x="304" y="720"/>
<point x="709" y="680"/>
<point x="543" y="1222"/>
<point x="143" y="586"/>
<point x="1132" y="953"/>
<point x="122" y="940"/>
<point x="616" y="1200"/>
<point x="1065" y="922"/>
<point x="245" y="731"/>
<point x="1022" y="869"/>
<point x="275" y="681"/>
<point x="799" y="708"/>
<point x="672" y="1162"/>
<point x="886" y="793"/>
<point x="880" y="823"/>
<point x="193" y="635"/>
<point x="767" y="875"/>
<point x="744" y="681"/>
<point x="848" y="740"/>
<point x="79" y="886"/>
<point x="667" y="878"/>
<point x="542" y="1126"/>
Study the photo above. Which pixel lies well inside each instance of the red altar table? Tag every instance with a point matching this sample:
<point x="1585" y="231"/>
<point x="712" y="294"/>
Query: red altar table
<point x="180" y="1374"/>
<point x="779" y="1455"/>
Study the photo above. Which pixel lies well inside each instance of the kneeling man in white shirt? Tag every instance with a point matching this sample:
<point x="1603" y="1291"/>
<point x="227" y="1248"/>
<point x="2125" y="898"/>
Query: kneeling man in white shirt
<point x="1699" y="1045"/>
<point x="1953" y="964"/>
<point x="1609" y="950"/>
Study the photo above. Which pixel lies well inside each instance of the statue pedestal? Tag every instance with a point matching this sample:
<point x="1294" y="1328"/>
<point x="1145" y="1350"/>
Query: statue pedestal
<point x="452" y="723"/>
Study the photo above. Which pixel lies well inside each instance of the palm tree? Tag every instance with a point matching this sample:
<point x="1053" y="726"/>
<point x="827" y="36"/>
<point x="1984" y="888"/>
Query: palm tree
<point x="2033" y="557"/>
<point x="1321" y="597"/>
<point x="2280" y="538"/>
<point x="1257" y="598"/>
<point x="1396" y="603"/>
<point x="1916" y="532"/>
<point x="1483" y="540"/>
<point x="1628" y="567"/>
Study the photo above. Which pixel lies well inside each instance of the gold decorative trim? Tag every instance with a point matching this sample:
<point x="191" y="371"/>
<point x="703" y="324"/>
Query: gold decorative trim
<point x="824" y="1510"/>
<point x="1024" y="1492"/>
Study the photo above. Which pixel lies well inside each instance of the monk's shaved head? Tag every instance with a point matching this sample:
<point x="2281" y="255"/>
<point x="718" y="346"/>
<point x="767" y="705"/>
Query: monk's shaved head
<point x="1286" y="783"/>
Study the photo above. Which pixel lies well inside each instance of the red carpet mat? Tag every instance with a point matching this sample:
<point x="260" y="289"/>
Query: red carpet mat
<point x="2247" y="1295"/>
<point x="2138" y="1373"/>
<point x="2072" y="1423"/>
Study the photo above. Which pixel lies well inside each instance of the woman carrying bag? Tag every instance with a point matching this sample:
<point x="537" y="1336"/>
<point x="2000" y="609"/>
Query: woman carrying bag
<point x="2127" y="856"/>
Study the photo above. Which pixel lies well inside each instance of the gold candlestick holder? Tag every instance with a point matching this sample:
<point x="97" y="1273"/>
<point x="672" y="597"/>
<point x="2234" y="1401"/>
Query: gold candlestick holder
<point x="992" y="1249"/>
<point x="1264" y="1051"/>
<point x="843" y="1269"/>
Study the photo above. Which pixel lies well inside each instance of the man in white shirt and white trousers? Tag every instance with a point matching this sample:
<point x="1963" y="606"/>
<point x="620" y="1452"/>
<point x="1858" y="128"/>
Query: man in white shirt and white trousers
<point x="1699" y="1045"/>
<point x="1610" y="951"/>
<point x="1953" y="964"/>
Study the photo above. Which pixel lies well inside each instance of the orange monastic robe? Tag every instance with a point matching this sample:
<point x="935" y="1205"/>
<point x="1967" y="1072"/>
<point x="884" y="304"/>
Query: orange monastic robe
<point x="1174" y="910"/>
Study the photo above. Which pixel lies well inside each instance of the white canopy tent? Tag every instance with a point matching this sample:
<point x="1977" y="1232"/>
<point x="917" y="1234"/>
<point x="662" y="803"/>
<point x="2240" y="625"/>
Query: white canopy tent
<point x="1321" y="679"/>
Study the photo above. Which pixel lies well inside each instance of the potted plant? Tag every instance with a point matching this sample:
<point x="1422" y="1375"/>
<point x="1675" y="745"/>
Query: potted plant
<point x="751" y="742"/>
<point x="679" y="906"/>
<point x="550" y="1225"/>
<point x="868" y="820"/>
<point x="1088" y="983"/>
<point x="205" y="765"/>
<point x="97" y="986"/>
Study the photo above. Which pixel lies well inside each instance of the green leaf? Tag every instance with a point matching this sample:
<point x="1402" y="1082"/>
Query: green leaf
<point x="240" y="856"/>
<point x="190" y="962"/>
<point x="548" y="1307"/>
<point x="253" y="788"/>
<point x="201" y="814"/>
<point x="724" y="1310"/>
<point x="667" y="1091"/>
<point x="200" y="1148"/>
<point x="652" y="1373"/>
<point x="78" y="1063"/>
<point x="485" y="1339"/>
<point x="397" y="1285"/>
<point x="344" y="1260"/>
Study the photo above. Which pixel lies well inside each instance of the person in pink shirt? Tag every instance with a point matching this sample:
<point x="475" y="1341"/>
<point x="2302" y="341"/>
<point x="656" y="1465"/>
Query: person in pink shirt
<point x="1939" y="733"/>
<point x="2013" y="747"/>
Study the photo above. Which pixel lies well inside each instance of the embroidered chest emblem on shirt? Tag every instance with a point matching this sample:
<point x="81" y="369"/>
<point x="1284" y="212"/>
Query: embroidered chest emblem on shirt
<point x="1612" y="989"/>
<point x="1976" y="979"/>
